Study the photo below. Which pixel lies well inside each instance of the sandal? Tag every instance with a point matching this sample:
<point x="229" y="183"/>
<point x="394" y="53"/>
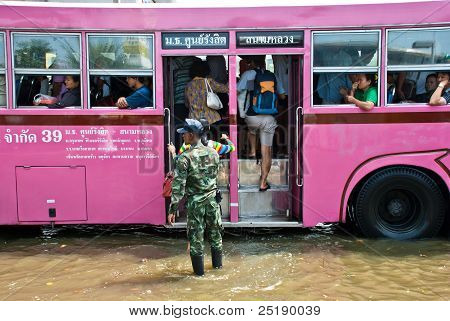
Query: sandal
<point x="265" y="189"/>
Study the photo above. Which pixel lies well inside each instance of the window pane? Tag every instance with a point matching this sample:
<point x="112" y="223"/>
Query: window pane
<point x="416" y="47"/>
<point x="120" y="52"/>
<point x="411" y="86"/>
<point x="346" y="49"/>
<point x="2" y="51"/>
<point x="61" y="91"/>
<point x="46" y="51"/>
<point x="330" y="88"/>
<point x="2" y="90"/>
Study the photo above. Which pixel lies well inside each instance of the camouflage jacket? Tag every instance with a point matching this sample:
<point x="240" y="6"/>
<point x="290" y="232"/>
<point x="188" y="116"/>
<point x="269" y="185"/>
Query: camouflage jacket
<point x="196" y="173"/>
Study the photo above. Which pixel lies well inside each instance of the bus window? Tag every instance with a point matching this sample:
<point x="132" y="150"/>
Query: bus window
<point x="409" y="53"/>
<point x="42" y="63"/>
<point x="2" y="71"/>
<point x="418" y="47"/>
<point x="411" y="86"/>
<point x="53" y="91"/>
<point x="338" y="59"/>
<point x="113" y="59"/>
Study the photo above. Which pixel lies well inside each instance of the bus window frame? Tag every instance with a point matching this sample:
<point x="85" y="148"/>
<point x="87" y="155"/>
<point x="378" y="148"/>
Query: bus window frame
<point x="120" y="72"/>
<point x="407" y="68"/>
<point x="34" y="71"/>
<point x="347" y="70"/>
<point x="4" y="70"/>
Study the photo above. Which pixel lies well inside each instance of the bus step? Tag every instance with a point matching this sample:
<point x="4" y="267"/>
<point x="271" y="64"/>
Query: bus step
<point x="274" y="201"/>
<point x="250" y="171"/>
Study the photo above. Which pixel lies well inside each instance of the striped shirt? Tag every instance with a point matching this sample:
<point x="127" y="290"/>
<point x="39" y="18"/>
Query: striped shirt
<point x="221" y="149"/>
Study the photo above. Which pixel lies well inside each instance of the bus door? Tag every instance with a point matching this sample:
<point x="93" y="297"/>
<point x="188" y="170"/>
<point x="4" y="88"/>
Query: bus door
<point x="176" y="76"/>
<point x="279" y="205"/>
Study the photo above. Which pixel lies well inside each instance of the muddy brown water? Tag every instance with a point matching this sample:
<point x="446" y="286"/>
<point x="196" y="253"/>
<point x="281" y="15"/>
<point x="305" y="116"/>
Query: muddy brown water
<point x="136" y="263"/>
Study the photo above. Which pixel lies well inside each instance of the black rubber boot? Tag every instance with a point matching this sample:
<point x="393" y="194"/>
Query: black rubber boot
<point x="198" y="265"/>
<point x="216" y="256"/>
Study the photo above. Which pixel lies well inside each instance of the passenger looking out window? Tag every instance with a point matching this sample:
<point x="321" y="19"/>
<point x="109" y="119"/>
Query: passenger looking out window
<point x="141" y="97"/>
<point x="441" y="95"/>
<point x="431" y="84"/>
<point x="364" y="92"/>
<point x="196" y="95"/>
<point x="72" y="97"/>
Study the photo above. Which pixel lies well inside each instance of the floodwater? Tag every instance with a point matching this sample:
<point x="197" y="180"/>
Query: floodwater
<point x="135" y="263"/>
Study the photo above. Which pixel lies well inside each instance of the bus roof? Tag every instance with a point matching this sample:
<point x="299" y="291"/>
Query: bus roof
<point x="160" y="17"/>
<point x="209" y="3"/>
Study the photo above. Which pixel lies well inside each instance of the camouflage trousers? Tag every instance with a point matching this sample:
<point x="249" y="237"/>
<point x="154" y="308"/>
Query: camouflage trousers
<point x="204" y="218"/>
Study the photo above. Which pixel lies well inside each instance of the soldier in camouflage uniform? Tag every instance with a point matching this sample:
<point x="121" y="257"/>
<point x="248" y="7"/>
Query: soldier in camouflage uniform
<point x="196" y="176"/>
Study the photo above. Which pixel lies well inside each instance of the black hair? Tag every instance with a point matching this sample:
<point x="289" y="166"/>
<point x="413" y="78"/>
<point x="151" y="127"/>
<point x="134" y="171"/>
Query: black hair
<point x="444" y="72"/>
<point x="260" y="61"/>
<point x="372" y="78"/>
<point x="140" y="79"/>
<point x="199" y="69"/>
<point x="431" y="75"/>
<point x="75" y="78"/>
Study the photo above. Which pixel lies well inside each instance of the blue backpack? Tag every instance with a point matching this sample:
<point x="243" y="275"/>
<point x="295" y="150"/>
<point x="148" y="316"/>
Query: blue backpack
<point x="264" y="100"/>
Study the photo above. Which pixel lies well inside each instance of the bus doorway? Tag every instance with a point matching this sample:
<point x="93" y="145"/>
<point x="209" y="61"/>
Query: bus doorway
<point x="178" y="73"/>
<point x="279" y="205"/>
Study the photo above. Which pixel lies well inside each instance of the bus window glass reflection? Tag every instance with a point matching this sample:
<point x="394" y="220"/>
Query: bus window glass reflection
<point x="113" y="58"/>
<point x="46" y="70"/>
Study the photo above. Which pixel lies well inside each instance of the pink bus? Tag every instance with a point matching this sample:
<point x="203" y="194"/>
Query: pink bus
<point x="387" y="169"/>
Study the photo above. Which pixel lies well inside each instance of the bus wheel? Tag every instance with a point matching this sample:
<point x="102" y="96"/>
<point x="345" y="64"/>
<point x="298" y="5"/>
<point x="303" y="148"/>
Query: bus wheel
<point x="400" y="203"/>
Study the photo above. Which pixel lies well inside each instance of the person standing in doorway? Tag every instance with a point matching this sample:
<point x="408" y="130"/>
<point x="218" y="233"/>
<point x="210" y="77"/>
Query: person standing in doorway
<point x="257" y="121"/>
<point x="196" y="172"/>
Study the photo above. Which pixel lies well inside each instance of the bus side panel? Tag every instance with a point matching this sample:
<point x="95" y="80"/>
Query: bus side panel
<point x="333" y="151"/>
<point x="124" y="169"/>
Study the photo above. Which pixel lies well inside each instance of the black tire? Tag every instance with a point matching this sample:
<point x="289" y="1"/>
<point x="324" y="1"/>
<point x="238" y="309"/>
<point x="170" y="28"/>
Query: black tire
<point x="400" y="203"/>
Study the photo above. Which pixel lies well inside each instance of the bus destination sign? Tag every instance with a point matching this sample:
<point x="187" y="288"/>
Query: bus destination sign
<point x="269" y="39"/>
<point x="195" y="40"/>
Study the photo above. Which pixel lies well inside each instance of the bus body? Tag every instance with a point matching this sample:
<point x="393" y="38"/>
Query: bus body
<point x="103" y="165"/>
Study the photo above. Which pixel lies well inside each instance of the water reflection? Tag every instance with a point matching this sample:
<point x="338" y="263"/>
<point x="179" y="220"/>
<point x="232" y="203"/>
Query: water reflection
<point x="136" y="263"/>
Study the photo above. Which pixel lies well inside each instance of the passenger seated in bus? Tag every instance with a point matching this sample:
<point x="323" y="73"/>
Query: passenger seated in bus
<point x="345" y="91"/>
<point x="364" y="93"/>
<point x="195" y="94"/>
<point x="441" y="95"/>
<point x="141" y="97"/>
<point x="329" y="84"/>
<point x="390" y="87"/>
<point x="431" y="84"/>
<point x="410" y="84"/>
<point x="72" y="97"/>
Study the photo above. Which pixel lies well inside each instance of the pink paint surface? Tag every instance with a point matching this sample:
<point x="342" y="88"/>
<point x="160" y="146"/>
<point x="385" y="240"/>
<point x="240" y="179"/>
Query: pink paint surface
<point x="128" y="190"/>
<point x="333" y="152"/>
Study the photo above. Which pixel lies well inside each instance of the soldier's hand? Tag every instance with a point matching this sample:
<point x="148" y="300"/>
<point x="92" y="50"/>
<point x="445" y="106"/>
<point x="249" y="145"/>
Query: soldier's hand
<point x="171" y="218"/>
